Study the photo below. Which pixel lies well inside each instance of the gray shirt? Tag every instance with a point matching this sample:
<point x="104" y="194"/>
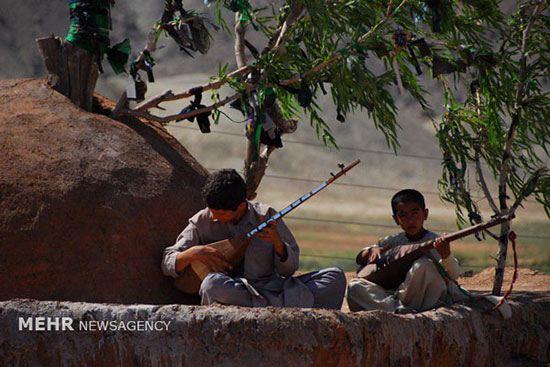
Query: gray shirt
<point x="450" y="264"/>
<point x="262" y="271"/>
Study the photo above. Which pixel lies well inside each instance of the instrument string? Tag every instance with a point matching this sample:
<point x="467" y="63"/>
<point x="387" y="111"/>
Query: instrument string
<point x="301" y="200"/>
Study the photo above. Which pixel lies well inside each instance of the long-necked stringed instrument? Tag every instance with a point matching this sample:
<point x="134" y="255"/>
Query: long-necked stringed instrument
<point x="391" y="269"/>
<point x="234" y="249"/>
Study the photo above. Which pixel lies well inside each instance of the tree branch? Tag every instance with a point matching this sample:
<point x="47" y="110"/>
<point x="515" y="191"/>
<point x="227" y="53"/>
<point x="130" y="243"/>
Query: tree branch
<point x="295" y="12"/>
<point x="169" y="96"/>
<point x="479" y="171"/>
<point x="240" y="31"/>
<point x="338" y="55"/>
<point x="527" y="188"/>
<point x="483" y="184"/>
<point x="255" y="170"/>
<point x="516" y="113"/>
<point x="505" y="228"/>
<point x="491" y="234"/>
<point x="180" y="116"/>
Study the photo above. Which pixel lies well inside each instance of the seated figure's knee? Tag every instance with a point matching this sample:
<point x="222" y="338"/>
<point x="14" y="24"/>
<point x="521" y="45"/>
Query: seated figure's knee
<point x="338" y="276"/>
<point x="351" y="296"/>
<point x="423" y="265"/>
<point x="354" y="288"/>
<point x="425" y="271"/>
<point x="211" y="285"/>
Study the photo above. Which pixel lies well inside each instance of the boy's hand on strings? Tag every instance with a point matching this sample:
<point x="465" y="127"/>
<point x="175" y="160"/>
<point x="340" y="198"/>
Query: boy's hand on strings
<point x="442" y="246"/>
<point x="373" y="254"/>
<point x="270" y="234"/>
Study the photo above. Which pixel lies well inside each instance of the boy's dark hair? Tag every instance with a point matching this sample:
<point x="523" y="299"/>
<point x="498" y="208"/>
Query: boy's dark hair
<point x="405" y="196"/>
<point x="224" y="190"/>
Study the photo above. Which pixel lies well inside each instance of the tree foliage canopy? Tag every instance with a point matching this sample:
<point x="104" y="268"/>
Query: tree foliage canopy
<point x="503" y="119"/>
<point x="339" y="43"/>
<point x="491" y="69"/>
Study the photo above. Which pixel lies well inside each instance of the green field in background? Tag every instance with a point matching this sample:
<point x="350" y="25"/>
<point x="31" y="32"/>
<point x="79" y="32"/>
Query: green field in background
<point x="327" y="244"/>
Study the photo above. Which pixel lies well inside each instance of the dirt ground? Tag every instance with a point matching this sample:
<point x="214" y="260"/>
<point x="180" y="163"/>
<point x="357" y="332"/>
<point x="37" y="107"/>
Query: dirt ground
<point x="527" y="280"/>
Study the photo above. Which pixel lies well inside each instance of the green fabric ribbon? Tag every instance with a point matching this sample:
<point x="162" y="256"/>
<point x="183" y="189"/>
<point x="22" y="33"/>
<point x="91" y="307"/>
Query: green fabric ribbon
<point x="446" y="275"/>
<point x="242" y="6"/>
<point x="118" y="56"/>
<point x="357" y="47"/>
<point x="257" y="135"/>
<point x="344" y="51"/>
<point x="90" y="28"/>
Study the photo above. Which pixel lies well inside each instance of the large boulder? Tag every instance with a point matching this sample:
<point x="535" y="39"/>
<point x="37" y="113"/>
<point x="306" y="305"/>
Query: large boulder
<point x="87" y="203"/>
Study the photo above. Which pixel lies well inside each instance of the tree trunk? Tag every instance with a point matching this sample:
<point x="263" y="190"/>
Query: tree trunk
<point x="72" y="71"/>
<point x="254" y="171"/>
<point x="501" y="258"/>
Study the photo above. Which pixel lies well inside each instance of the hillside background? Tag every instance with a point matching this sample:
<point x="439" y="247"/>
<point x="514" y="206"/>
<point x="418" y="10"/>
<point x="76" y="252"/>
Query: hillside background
<point x="355" y="210"/>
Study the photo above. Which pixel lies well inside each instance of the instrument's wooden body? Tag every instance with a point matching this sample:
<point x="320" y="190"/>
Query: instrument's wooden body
<point x="233" y="249"/>
<point x="391" y="269"/>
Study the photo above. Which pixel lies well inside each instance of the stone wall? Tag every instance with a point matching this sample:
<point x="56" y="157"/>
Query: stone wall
<point x="234" y="336"/>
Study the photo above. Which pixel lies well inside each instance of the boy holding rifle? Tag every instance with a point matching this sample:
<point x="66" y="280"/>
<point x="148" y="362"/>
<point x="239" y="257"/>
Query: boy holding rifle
<point x="424" y="286"/>
<point x="264" y="277"/>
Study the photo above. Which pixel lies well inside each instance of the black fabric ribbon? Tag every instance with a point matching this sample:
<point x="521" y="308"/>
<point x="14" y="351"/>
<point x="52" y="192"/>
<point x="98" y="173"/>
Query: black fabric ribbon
<point x="202" y="119"/>
<point x="268" y="140"/>
<point x="305" y="95"/>
<point x="339" y="115"/>
<point x="434" y="6"/>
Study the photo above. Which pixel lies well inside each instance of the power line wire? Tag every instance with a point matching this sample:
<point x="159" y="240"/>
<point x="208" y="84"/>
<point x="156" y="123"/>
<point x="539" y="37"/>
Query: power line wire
<point x="300" y="179"/>
<point x="343" y="184"/>
<point x="353" y="149"/>
<point x="393" y="189"/>
<point x="320" y="220"/>
<point x="341" y="148"/>
<point x="348" y="184"/>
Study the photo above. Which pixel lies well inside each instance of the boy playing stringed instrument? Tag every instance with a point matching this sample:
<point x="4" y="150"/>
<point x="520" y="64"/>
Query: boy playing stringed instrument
<point x="424" y="286"/>
<point x="264" y="277"/>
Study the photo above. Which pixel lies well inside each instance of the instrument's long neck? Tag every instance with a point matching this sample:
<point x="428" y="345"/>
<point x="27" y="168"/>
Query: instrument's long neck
<point x="302" y="199"/>
<point x="478" y="227"/>
<point x="471" y="230"/>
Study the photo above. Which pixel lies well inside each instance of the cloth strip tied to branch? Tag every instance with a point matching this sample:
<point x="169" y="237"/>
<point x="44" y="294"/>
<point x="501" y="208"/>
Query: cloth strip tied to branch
<point x="90" y="28"/>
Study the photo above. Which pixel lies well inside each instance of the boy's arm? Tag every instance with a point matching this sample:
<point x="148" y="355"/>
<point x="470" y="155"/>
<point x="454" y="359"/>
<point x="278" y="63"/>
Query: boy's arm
<point x="449" y="262"/>
<point x="287" y="265"/>
<point x="372" y="253"/>
<point x="186" y="240"/>
<point x="188" y="249"/>
<point x="287" y="253"/>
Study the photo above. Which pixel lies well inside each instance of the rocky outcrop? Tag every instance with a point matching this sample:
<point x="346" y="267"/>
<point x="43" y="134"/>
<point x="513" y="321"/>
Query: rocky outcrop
<point x="233" y="336"/>
<point x="87" y="204"/>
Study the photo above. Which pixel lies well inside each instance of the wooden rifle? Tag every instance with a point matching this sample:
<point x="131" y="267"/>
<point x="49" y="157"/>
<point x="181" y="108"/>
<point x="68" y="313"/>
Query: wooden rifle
<point x="234" y="248"/>
<point x="391" y="269"/>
